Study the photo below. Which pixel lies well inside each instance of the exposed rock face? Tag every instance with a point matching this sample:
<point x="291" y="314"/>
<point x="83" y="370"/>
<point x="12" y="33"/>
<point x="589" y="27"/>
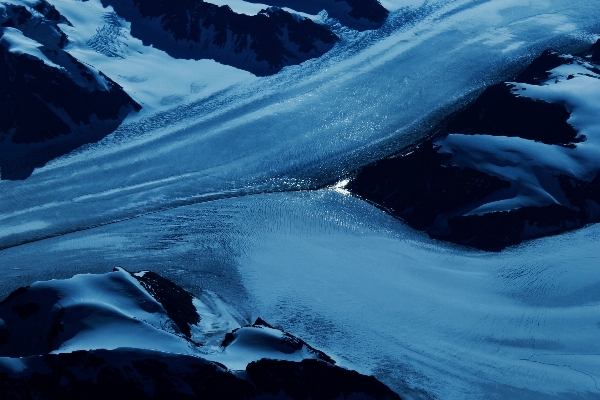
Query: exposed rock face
<point x="137" y="374"/>
<point x="356" y="14"/>
<point x="262" y="43"/>
<point x="140" y="336"/>
<point x="508" y="167"/>
<point x="51" y="103"/>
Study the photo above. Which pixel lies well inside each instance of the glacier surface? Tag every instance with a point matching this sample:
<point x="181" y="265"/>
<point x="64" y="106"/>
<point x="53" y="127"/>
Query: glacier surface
<point x="220" y="183"/>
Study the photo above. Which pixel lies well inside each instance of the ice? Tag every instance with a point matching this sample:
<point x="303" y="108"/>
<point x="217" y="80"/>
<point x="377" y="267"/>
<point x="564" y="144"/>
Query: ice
<point x="210" y="186"/>
<point x="305" y="127"/>
<point x="423" y="316"/>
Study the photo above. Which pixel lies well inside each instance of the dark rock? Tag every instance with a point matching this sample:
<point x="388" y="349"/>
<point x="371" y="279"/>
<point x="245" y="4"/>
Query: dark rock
<point x="422" y="187"/>
<point x="356" y="14"/>
<point x="146" y="374"/>
<point x="121" y="374"/>
<point x="430" y="191"/>
<point x="537" y="71"/>
<point x="313" y="379"/>
<point x="25" y="314"/>
<point x="127" y="373"/>
<point x="496" y="230"/>
<point x="27" y="310"/>
<point x="176" y="301"/>
<point x="499" y="111"/>
<point x="14" y="294"/>
<point x="49" y="111"/>
<point x="262" y="43"/>
<point x="50" y="12"/>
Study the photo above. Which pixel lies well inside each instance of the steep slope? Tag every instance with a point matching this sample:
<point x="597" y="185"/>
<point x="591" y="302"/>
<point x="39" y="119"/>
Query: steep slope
<point x="123" y="335"/>
<point x="262" y="44"/>
<point x="519" y="162"/>
<point x="356" y="14"/>
<point x="51" y="103"/>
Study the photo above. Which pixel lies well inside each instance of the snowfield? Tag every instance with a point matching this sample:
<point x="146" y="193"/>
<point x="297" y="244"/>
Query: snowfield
<point x="225" y="183"/>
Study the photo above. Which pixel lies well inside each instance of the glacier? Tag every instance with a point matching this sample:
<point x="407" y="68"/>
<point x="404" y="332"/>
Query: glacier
<point x="225" y="183"/>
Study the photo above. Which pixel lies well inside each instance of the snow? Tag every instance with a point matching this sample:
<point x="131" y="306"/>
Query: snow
<point x="255" y="343"/>
<point x="24" y="227"/>
<point x="17" y="43"/>
<point x="241" y="6"/>
<point x="148" y="75"/>
<point x="209" y="185"/>
<point x="531" y="166"/>
<point x="227" y="133"/>
<point x="375" y="295"/>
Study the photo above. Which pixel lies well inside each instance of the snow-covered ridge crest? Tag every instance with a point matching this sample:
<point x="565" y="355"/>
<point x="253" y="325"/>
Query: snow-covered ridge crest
<point x="147" y="334"/>
<point x="16" y="43"/>
<point x="141" y="311"/>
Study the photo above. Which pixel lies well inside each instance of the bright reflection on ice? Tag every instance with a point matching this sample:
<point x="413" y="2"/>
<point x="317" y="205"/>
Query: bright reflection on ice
<point x="340" y="187"/>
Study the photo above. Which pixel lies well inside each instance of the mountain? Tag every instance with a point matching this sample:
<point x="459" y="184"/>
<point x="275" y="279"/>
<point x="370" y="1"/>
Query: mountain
<point x="141" y="336"/>
<point x="236" y="189"/>
<point x="519" y="162"/>
<point x="262" y="43"/>
<point x="356" y="14"/>
<point x="52" y="103"/>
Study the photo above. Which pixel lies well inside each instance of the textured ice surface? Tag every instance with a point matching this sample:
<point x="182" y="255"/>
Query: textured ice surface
<point x="171" y="191"/>
<point x="372" y="93"/>
<point x="423" y="316"/>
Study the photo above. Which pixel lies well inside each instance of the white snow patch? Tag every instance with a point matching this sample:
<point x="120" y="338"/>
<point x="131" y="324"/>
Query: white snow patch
<point x="17" y="43"/>
<point x="241" y="6"/>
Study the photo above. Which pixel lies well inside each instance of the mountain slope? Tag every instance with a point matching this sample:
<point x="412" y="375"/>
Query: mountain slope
<point x="519" y="162"/>
<point x="262" y="43"/>
<point x="356" y="14"/>
<point x="124" y="335"/>
<point x="52" y="103"/>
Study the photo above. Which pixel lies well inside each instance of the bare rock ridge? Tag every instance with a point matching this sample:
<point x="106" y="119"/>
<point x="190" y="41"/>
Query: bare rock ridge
<point x="51" y="103"/>
<point x="356" y="14"/>
<point x="500" y="170"/>
<point x="121" y="335"/>
<point x="262" y="43"/>
<point x="146" y="374"/>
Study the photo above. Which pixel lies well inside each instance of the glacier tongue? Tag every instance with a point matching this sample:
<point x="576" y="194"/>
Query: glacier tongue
<point x="302" y="128"/>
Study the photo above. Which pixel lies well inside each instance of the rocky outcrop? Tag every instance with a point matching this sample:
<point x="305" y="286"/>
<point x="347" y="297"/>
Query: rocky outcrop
<point x="123" y="336"/>
<point x="51" y="102"/>
<point x="262" y="43"/>
<point x="509" y="166"/>
<point x="356" y="14"/>
<point x="147" y="374"/>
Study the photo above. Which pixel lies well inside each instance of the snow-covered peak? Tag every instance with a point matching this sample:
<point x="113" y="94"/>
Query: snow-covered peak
<point x="140" y="311"/>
